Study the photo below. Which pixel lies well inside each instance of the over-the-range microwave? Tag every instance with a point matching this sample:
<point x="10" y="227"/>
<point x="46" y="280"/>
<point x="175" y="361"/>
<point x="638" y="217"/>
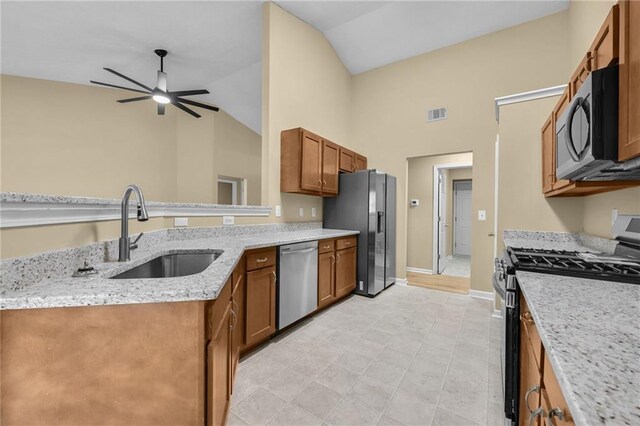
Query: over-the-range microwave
<point x="587" y="130"/>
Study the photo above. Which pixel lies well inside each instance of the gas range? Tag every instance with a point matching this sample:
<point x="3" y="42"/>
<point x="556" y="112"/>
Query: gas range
<point x="619" y="268"/>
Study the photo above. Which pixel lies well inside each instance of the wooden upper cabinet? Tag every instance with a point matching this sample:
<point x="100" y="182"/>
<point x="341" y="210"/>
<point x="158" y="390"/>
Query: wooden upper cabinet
<point x="604" y="49"/>
<point x="330" y="160"/>
<point x="629" y="94"/>
<point x="581" y="73"/>
<point x="361" y="162"/>
<point x="311" y="172"/>
<point x="260" y="322"/>
<point x="347" y="160"/>
<point x="548" y="138"/>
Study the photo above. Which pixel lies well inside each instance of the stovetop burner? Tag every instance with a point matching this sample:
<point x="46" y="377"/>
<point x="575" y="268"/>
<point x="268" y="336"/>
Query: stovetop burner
<point x="569" y="263"/>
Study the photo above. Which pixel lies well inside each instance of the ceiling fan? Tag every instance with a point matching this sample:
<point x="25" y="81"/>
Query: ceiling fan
<point x="160" y="94"/>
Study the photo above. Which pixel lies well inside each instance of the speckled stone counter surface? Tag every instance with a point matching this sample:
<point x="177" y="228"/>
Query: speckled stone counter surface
<point x="44" y="280"/>
<point x="590" y="330"/>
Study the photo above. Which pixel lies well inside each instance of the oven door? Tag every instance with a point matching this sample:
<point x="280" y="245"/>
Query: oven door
<point x="512" y="351"/>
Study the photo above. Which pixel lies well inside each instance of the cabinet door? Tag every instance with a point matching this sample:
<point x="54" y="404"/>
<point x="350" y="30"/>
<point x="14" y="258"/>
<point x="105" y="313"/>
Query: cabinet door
<point x="326" y="278"/>
<point x="604" y="50"/>
<point x="261" y="305"/>
<point x="345" y="271"/>
<point x="218" y="371"/>
<point x="530" y="385"/>
<point x="548" y="137"/>
<point x="361" y="162"/>
<point x="311" y="168"/>
<point x="580" y="74"/>
<point x="330" y="160"/>
<point x="347" y="160"/>
<point x="629" y="92"/>
<point x="238" y="323"/>
<point x="553" y="398"/>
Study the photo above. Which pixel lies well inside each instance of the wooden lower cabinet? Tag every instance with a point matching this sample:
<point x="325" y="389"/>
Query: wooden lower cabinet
<point x="326" y="279"/>
<point x="530" y="409"/>
<point x="260" y="305"/>
<point x="345" y="271"/>
<point x="238" y="319"/>
<point x="219" y="371"/>
<point x="555" y="407"/>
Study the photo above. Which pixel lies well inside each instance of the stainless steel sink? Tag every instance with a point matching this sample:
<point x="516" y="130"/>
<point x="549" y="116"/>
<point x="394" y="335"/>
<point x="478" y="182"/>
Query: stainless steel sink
<point x="172" y="265"/>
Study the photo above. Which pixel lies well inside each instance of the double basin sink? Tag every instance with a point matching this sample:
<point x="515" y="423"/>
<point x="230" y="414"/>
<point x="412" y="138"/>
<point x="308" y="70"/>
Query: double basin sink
<point x="172" y="265"/>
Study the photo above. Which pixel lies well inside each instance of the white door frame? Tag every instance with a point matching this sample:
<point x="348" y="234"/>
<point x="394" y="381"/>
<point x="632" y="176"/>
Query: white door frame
<point x="455" y="206"/>
<point x="234" y="189"/>
<point x="436" y="173"/>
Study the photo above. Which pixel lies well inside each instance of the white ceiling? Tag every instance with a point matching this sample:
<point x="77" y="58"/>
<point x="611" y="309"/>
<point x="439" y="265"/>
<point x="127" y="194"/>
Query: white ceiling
<point x="368" y="35"/>
<point x="217" y="46"/>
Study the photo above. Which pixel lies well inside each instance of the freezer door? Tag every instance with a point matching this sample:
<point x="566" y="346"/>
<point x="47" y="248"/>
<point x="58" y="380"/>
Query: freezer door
<point x="378" y="205"/>
<point x="390" y="255"/>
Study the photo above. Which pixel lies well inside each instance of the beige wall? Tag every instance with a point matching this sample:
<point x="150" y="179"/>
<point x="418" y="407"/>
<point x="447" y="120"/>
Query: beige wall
<point x="420" y="219"/>
<point x="454" y="174"/>
<point x="304" y="85"/>
<point x="390" y="106"/>
<point x="71" y="139"/>
<point x="596" y="216"/>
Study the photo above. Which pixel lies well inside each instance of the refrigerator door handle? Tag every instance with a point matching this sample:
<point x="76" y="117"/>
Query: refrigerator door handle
<point x="380" y="222"/>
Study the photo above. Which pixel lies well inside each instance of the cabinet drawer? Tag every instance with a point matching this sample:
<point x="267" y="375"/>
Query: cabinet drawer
<point x="553" y="399"/>
<point x="261" y="259"/>
<point x="345" y="243"/>
<point x="530" y="331"/>
<point x="326" y="246"/>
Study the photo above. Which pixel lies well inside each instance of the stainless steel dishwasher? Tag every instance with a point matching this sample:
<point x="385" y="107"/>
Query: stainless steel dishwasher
<point x="298" y="282"/>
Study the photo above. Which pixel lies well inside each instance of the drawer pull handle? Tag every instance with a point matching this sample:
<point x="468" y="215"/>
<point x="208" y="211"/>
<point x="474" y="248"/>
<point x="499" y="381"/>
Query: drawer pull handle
<point x="556" y="412"/>
<point x="526" y="318"/>
<point x="262" y="260"/>
<point x="532" y="389"/>
<point x="347" y="243"/>
<point x="326" y="247"/>
<point x="532" y="417"/>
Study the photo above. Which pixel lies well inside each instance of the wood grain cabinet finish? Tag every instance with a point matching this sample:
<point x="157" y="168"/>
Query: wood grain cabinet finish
<point x="326" y="278"/>
<point x="604" y="49"/>
<point x="581" y="73"/>
<point x="347" y="160"/>
<point x="330" y="160"/>
<point x="260" y="305"/>
<point x="361" y="162"/>
<point x="530" y="408"/>
<point x="345" y="271"/>
<point x="555" y="406"/>
<point x="629" y="92"/>
<point x="219" y="370"/>
<point x="238" y="319"/>
<point x="548" y="160"/>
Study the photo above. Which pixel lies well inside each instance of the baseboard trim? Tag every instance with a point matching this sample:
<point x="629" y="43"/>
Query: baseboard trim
<point x="401" y="281"/>
<point x="488" y="295"/>
<point x="419" y="270"/>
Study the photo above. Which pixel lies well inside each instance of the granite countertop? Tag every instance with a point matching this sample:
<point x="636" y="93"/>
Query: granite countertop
<point x="65" y="291"/>
<point x="590" y="331"/>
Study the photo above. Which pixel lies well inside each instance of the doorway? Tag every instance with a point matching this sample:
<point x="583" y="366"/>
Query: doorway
<point x="462" y="218"/>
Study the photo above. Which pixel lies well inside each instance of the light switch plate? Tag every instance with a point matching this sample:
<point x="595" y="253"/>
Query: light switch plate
<point x="301" y="211"/>
<point x="228" y="220"/>
<point x="313" y="212"/>
<point x="180" y="221"/>
<point x="482" y="215"/>
<point x="278" y="211"/>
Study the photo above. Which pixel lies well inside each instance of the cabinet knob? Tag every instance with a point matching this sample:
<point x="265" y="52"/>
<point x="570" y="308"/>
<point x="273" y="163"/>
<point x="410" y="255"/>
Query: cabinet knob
<point x="324" y="182"/>
<point x="532" y="389"/>
<point x="555" y="412"/>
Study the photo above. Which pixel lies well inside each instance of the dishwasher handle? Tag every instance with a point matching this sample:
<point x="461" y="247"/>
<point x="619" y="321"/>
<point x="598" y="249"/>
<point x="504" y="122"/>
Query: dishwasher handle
<point x="307" y="250"/>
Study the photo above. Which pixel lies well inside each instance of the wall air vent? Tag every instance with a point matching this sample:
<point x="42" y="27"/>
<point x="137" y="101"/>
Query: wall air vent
<point x="437" y="114"/>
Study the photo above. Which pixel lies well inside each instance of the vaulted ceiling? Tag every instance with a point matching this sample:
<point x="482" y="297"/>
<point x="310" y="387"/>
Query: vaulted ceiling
<point x="217" y="45"/>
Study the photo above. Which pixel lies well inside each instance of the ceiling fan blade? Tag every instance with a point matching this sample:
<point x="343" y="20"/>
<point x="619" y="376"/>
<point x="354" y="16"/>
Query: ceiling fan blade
<point x="141" y="98"/>
<point x="198" y="104"/>
<point x="118" y="87"/>
<point x="162" y="81"/>
<point x="185" y="109"/>
<point x="161" y="109"/>
<point x="128" y="79"/>
<point x="190" y="92"/>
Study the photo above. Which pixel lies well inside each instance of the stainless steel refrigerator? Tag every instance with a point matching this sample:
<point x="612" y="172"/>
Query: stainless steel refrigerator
<point x="367" y="203"/>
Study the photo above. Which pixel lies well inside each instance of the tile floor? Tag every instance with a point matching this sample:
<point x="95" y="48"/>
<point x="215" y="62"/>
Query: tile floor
<point x="411" y="356"/>
<point x="458" y="266"/>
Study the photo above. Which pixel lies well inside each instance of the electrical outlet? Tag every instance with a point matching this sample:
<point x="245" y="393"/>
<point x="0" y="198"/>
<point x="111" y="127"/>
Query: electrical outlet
<point x="415" y="203"/>
<point x="278" y="211"/>
<point x="482" y="215"/>
<point x="313" y="212"/>
<point x="228" y="220"/>
<point x="180" y="221"/>
<point x="301" y="211"/>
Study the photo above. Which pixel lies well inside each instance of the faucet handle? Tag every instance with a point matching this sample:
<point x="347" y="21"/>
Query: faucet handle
<point x="134" y="244"/>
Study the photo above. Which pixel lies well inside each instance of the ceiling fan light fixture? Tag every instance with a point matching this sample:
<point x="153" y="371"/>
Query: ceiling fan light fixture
<point x="161" y="98"/>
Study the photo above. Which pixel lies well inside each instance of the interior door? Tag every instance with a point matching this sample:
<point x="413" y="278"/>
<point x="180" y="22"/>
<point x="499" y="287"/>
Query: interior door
<point x="462" y="218"/>
<point x="442" y="221"/>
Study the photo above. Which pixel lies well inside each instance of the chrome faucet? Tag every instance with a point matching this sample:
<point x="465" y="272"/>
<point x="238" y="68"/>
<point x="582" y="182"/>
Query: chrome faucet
<point x="125" y="246"/>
